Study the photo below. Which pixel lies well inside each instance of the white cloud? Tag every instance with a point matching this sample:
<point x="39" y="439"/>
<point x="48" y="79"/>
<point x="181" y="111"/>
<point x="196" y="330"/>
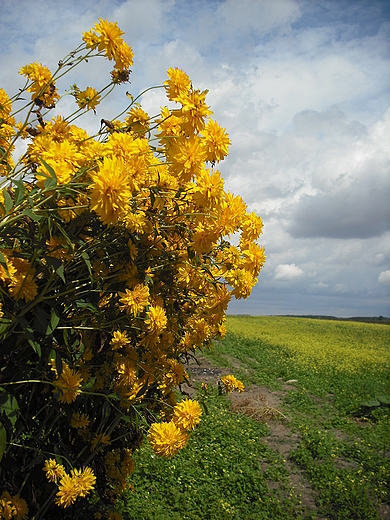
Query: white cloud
<point x="320" y="285"/>
<point x="287" y="272"/>
<point x="384" y="277"/>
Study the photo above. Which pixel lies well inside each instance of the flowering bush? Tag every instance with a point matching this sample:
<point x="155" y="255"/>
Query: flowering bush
<point x="115" y="266"/>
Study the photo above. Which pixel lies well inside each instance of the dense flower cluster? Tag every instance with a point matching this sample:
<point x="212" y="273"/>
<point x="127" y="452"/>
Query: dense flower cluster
<point x="167" y="438"/>
<point x="115" y="266"/>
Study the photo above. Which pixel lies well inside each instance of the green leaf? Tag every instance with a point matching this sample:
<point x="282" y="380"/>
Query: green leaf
<point x="19" y="192"/>
<point x="113" y="396"/>
<point x="81" y="304"/>
<point x="11" y="408"/>
<point x="51" y="181"/>
<point x="3" y="440"/>
<point x="57" y="265"/>
<point x="54" y="321"/>
<point x="36" y="347"/>
<point x="4" y="326"/>
<point x="384" y="399"/>
<point x="61" y="272"/>
<point x="89" y="384"/>
<point x="8" y="202"/>
<point x="373" y="403"/>
<point x="85" y="257"/>
<point x="142" y="390"/>
<point x="41" y="320"/>
<point x="3" y="263"/>
<point x="148" y="279"/>
<point x="32" y="215"/>
<point x="106" y="409"/>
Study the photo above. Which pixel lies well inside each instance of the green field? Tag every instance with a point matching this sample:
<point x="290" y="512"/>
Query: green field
<point x="338" y="419"/>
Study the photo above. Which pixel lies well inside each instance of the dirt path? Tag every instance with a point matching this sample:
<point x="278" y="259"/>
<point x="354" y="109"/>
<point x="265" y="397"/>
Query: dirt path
<point x="259" y="403"/>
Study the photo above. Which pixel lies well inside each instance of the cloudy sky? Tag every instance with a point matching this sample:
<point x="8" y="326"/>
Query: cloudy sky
<point x="302" y="87"/>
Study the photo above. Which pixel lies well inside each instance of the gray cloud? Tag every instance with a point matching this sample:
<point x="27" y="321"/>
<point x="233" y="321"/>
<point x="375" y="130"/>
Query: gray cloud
<point x="361" y="211"/>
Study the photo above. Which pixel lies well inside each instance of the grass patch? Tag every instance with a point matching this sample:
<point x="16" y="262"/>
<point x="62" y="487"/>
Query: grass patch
<point x="341" y="447"/>
<point x="219" y="474"/>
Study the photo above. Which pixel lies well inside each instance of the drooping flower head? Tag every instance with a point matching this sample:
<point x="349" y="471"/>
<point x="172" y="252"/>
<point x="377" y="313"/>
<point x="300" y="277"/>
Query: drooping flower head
<point x="107" y="37"/>
<point x="88" y="98"/>
<point x="42" y="85"/>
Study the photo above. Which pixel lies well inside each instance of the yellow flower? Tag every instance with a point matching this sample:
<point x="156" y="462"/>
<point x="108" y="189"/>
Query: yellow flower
<point x="138" y="223"/>
<point x="186" y="414"/>
<point x="7" y="509"/>
<point x="254" y="257"/>
<point x="231" y="383"/>
<point x="194" y="110"/>
<point x="169" y="126"/>
<point x="88" y="98"/>
<point x="100" y="439"/>
<point x="119" y="339"/>
<point x="188" y="159"/>
<point x="41" y="86"/>
<point x="91" y="39"/>
<point x="5" y="104"/>
<point x="79" y="421"/>
<point x="20" y="507"/>
<point x="123" y="59"/>
<point x="157" y="319"/>
<point x="251" y="227"/>
<point x="23" y="286"/>
<point x="78" y="484"/>
<point x="200" y="331"/>
<point x="166" y="439"/>
<point x="6" y="275"/>
<point x="85" y="480"/>
<point x="242" y="281"/>
<point x="209" y="189"/>
<point x="137" y="120"/>
<point x="54" y="472"/>
<point x="110" y="192"/>
<point x="203" y="238"/>
<point x="57" y="247"/>
<point x="107" y="37"/>
<point x="64" y="158"/>
<point x="134" y="301"/>
<point x="68" y="384"/>
<point x="178" y="83"/>
<point x="216" y="141"/>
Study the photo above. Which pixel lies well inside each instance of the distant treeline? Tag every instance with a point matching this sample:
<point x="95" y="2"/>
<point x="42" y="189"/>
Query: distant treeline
<point x="367" y="319"/>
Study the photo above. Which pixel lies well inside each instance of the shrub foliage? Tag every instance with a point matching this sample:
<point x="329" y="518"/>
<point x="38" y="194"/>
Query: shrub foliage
<point x="115" y="265"/>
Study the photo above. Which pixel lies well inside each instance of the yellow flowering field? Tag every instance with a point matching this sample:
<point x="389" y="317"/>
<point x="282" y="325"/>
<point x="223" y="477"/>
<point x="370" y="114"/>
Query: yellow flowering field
<point x="316" y="344"/>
